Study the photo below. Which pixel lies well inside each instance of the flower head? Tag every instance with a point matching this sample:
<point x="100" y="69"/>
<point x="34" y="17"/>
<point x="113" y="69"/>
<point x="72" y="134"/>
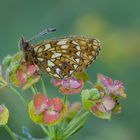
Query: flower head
<point x="68" y="85"/>
<point x="46" y="111"/>
<point x="25" y="75"/>
<point x="100" y="104"/>
<point x="103" y="100"/>
<point x="19" y="73"/>
<point x="53" y="111"/>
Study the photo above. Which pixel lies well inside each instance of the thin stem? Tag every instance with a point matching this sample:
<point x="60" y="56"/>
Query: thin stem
<point x="33" y="90"/>
<point x="91" y="83"/>
<point x="65" y="99"/>
<point x="18" y="94"/>
<point x="77" y="115"/>
<point x="75" y="125"/>
<point x="10" y="132"/>
<point x="75" y="120"/>
<point x="55" y="133"/>
<point x="63" y="123"/>
<point x="44" y="129"/>
<point x="72" y="131"/>
<point x="43" y="86"/>
<point x="51" y="131"/>
<point x="34" y="86"/>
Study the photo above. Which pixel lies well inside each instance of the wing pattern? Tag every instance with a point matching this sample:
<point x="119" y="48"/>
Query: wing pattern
<point x="64" y="57"/>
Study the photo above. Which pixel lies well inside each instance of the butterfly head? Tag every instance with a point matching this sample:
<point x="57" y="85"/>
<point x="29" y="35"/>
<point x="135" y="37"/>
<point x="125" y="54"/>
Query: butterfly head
<point x="24" y="45"/>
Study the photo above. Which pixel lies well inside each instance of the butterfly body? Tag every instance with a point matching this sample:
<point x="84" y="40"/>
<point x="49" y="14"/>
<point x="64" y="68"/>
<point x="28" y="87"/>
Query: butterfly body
<point x="62" y="57"/>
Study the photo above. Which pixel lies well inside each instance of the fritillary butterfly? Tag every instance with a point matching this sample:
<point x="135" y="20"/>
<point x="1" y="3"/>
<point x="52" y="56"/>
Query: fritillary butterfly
<point x="61" y="57"/>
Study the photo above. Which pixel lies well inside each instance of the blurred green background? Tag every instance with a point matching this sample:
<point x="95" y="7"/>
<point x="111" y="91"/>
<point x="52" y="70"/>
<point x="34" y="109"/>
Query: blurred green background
<point x="115" y="23"/>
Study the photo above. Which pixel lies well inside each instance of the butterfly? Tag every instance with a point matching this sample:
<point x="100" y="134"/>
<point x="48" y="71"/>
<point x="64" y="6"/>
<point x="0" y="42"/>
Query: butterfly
<point x="61" y="57"/>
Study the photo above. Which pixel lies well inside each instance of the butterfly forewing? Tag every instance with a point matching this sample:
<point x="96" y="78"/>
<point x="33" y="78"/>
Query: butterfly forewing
<point x="64" y="57"/>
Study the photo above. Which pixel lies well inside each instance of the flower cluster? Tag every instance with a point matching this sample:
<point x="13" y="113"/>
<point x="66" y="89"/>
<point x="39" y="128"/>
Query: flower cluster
<point x="109" y="86"/>
<point x="25" y="75"/>
<point x="19" y="73"/>
<point x="48" y="111"/>
<point x="102" y="100"/>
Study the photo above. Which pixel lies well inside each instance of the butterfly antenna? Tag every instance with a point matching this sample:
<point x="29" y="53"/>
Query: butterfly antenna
<point x="44" y="32"/>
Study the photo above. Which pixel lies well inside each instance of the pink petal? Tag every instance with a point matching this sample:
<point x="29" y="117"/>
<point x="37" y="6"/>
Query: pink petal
<point x="55" y="103"/>
<point x="100" y="77"/>
<point x="21" y="77"/>
<point x="105" y="105"/>
<point x="71" y="83"/>
<point x="50" y="116"/>
<point x="94" y="109"/>
<point x="100" y="107"/>
<point x="56" y="82"/>
<point x="40" y="109"/>
<point x="40" y="101"/>
<point x="70" y="91"/>
<point x="31" y="69"/>
<point x="108" y="82"/>
<point x="108" y="103"/>
<point x="118" y="84"/>
<point x="101" y="113"/>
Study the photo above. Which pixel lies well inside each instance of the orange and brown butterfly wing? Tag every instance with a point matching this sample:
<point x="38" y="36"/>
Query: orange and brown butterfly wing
<point x="64" y="57"/>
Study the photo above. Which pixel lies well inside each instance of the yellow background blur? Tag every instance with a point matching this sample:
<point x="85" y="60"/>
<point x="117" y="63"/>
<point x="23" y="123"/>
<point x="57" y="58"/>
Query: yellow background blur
<point x="115" y="23"/>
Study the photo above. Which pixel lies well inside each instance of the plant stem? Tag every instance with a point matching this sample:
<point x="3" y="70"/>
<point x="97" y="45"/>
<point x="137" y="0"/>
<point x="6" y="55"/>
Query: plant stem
<point x="51" y="131"/>
<point x="63" y="123"/>
<point x="33" y="90"/>
<point x="91" y="84"/>
<point x="10" y="132"/>
<point x="65" y="99"/>
<point x="43" y="86"/>
<point x="18" y="94"/>
<point x="44" y="129"/>
<point x="34" y="86"/>
<point x="75" y="125"/>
